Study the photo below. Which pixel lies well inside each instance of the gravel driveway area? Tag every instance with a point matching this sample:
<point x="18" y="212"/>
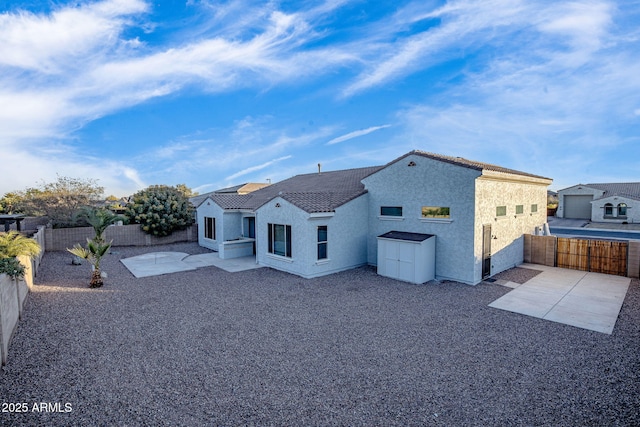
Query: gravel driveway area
<point x="262" y="347"/>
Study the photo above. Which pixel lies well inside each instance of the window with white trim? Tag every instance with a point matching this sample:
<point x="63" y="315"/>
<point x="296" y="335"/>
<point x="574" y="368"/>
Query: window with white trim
<point x="519" y="209"/>
<point x="390" y="210"/>
<point x="608" y="209"/>
<point x="279" y="239"/>
<point x="501" y="211"/>
<point x="322" y="242"/>
<point x="622" y="210"/>
<point x="441" y="212"/>
<point x="534" y="208"/>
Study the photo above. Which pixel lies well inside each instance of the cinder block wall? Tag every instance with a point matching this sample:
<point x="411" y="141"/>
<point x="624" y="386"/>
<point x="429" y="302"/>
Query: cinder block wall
<point x="59" y="239"/>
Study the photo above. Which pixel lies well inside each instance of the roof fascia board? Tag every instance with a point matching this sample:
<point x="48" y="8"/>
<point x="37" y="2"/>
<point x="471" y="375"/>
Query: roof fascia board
<point x="510" y="177"/>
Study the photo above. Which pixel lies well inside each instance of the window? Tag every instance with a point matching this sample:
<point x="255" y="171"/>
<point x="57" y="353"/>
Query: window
<point x="435" y="212"/>
<point x="534" y="208"/>
<point x="209" y="228"/>
<point x="322" y="242"/>
<point x="622" y="209"/>
<point x="501" y="211"/>
<point x="391" y="210"/>
<point x="280" y="239"/>
<point x="519" y="209"/>
<point x="608" y="209"/>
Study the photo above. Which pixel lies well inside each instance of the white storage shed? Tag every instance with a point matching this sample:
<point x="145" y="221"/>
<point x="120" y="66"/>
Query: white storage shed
<point x="410" y="257"/>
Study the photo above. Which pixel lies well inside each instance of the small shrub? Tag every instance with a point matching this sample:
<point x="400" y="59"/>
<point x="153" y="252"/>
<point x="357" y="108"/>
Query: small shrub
<point x="12" y="268"/>
<point x="160" y="210"/>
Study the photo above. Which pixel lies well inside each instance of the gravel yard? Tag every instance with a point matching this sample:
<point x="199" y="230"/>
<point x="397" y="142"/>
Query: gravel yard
<point x="263" y="347"/>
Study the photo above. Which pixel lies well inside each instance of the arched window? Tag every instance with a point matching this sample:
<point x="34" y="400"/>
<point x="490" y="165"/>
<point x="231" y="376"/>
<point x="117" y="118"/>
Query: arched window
<point x="608" y="209"/>
<point x="622" y="209"/>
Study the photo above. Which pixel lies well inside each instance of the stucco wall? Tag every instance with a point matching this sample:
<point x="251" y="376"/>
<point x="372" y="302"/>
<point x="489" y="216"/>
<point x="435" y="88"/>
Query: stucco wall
<point x="346" y="245"/>
<point x="209" y="209"/>
<point x="428" y="183"/>
<point x="633" y="210"/>
<point x="9" y="313"/>
<point x="576" y="190"/>
<point x="508" y="245"/>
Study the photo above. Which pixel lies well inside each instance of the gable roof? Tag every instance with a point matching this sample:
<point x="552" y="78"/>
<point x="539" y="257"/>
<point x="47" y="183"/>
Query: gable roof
<point x="469" y="164"/>
<point x="313" y="192"/>
<point x="629" y="190"/>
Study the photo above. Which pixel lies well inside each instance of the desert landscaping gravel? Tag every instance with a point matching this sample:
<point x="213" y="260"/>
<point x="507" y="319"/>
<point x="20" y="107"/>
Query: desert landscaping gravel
<point x="266" y="348"/>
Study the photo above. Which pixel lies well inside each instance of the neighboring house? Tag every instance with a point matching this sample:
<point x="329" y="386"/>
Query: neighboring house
<point x="613" y="202"/>
<point x="236" y="189"/>
<point x="423" y="215"/>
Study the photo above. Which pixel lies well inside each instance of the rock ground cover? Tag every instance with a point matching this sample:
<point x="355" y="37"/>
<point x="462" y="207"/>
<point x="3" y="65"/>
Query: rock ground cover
<point x="263" y="347"/>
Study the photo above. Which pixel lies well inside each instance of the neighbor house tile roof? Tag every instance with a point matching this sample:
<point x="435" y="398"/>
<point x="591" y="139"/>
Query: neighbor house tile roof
<point x="470" y="164"/>
<point x="629" y="190"/>
<point x="235" y="190"/>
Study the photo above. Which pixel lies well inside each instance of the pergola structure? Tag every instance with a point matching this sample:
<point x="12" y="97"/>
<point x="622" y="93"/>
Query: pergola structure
<point x="7" y="220"/>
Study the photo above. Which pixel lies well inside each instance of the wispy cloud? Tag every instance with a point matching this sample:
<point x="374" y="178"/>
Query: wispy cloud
<point x="256" y="168"/>
<point x="538" y="107"/>
<point x="356" y="134"/>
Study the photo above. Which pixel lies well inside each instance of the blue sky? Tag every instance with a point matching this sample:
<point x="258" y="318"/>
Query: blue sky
<point x="216" y="93"/>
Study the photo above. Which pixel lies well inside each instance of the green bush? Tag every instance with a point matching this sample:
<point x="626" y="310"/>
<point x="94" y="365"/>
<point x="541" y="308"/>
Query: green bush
<point x="12" y="268"/>
<point x="160" y="210"/>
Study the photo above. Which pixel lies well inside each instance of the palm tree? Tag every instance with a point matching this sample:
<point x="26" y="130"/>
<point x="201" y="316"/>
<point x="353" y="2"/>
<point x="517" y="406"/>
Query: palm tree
<point x="94" y="252"/>
<point x="14" y="244"/>
<point x="96" y="248"/>
<point x="99" y="219"/>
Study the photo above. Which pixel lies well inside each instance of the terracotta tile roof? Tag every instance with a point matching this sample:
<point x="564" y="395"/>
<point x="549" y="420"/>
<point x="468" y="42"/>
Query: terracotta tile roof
<point x="629" y="190"/>
<point x="471" y="164"/>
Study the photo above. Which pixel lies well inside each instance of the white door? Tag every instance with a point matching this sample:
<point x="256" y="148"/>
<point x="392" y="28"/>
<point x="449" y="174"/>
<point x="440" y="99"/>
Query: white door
<point x="406" y="262"/>
<point x="390" y="258"/>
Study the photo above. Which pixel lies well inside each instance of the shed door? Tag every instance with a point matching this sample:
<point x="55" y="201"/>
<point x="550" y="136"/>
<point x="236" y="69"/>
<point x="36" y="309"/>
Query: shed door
<point x="578" y="207"/>
<point x="406" y="262"/>
<point x="399" y="260"/>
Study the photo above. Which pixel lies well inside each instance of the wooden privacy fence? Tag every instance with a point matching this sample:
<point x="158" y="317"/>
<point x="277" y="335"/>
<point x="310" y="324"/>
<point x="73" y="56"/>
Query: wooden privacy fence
<point x="599" y="256"/>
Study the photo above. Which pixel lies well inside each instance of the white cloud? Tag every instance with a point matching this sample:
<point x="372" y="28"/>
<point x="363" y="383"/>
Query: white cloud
<point x="356" y="134"/>
<point x="256" y="168"/>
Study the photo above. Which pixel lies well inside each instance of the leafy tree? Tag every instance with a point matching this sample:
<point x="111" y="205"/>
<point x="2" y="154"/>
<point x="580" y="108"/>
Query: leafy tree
<point x="186" y="190"/>
<point x="160" y="210"/>
<point x="9" y="202"/>
<point x="57" y="200"/>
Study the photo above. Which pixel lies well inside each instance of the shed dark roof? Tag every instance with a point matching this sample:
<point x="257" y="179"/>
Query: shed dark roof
<point x="470" y="164"/>
<point x="629" y="190"/>
<point x="406" y="236"/>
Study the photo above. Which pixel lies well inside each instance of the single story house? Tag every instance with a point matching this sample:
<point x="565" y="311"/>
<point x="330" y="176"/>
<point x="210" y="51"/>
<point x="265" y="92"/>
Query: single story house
<point x="613" y="202"/>
<point x="419" y="217"/>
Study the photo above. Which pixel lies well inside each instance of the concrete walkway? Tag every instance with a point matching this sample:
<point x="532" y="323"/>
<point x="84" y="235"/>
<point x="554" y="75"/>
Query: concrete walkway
<point x="156" y="263"/>
<point x="578" y="298"/>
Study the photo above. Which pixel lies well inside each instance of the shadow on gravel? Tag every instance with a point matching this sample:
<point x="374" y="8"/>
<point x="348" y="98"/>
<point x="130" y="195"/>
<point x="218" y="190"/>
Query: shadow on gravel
<point x="263" y="347"/>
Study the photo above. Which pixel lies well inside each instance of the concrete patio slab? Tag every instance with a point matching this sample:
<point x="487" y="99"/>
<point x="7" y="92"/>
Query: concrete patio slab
<point x="577" y="298"/>
<point x="156" y="263"/>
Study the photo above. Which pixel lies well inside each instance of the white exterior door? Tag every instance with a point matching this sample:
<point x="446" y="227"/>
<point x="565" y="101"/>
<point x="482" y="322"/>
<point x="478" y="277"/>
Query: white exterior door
<point x="398" y="260"/>
<point x="406" y="262"/>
